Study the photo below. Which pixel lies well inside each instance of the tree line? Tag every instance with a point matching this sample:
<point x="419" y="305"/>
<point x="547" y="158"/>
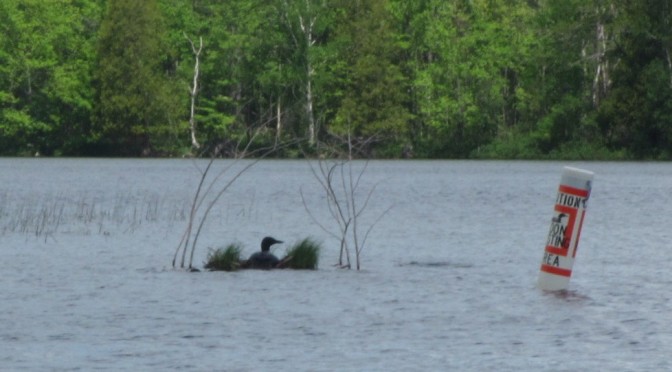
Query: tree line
<point x="584" y="79"/>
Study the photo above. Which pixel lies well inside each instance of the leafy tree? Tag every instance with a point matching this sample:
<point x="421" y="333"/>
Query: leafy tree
<point x="306" y="26"/>
<point x="45" y="98"/>
<point x="459" y="78"/>
<point x="229" y="106"/>
<point x="556" y="92"/>
<point x="133" y="103"/>
<point x="373" y="104"/>
<point x="465" y="60"/>
<point x="637" y="114"/>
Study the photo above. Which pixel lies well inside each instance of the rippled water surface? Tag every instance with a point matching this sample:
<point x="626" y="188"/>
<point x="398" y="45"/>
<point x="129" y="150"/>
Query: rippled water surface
<point x="447" y="282"/>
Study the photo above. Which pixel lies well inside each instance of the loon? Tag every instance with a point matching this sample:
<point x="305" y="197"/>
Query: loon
<point x="264" y="259"/>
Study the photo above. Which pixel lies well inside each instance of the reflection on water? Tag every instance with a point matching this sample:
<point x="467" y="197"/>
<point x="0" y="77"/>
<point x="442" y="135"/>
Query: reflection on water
<point x="439" y="264"/>
<point x="448" y="279"/>
<point x="568" y="295"/>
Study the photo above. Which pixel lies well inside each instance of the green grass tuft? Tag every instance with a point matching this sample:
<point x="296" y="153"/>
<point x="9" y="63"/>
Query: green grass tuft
<point x="303" y="255"/>
<point x="227" y="259"/>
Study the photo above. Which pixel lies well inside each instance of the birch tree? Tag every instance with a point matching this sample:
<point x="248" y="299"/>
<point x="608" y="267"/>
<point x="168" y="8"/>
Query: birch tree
<point x="305" y="21"/>
<point x="193" y="90"/>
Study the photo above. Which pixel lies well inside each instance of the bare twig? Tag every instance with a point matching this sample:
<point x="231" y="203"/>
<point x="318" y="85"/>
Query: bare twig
<point x="312" y="217"/>
<point x="341" y="182"/>
<point x="206" y="187"/>
<point x="187" y="231"/>
<point x="213" y="202"/>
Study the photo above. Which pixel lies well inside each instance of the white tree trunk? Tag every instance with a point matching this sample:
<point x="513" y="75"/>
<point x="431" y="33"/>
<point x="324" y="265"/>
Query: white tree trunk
<point x="307" y="29"/>
<point x="669" y="64"/>
<point x="193" y="91"/>
<point x="601" y="79"/>
<point x="307" y="18"/>
<point x="309" y="111"/>
<point x="278" y="121"/>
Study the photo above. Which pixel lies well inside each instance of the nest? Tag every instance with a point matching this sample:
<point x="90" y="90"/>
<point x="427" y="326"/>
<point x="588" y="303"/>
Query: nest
<point x="303" y="255"/>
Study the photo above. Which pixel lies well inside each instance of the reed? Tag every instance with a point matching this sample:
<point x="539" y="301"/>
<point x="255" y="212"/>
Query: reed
<point x="224" y="259"/>
<point x="48" y="215"/>
<point x="303" y="255"/>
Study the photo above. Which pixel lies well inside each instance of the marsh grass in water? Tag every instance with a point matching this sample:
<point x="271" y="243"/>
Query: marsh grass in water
<point x="50" y="214"/>
<point x="224" y="259"/>
<point x="303" y="255"/>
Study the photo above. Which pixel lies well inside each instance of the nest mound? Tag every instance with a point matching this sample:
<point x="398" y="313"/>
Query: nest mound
<point x="303" y="255"/>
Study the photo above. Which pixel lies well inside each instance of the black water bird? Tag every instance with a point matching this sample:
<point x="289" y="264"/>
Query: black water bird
<point x="558" y="219"/>
<point x="264" y="259"/>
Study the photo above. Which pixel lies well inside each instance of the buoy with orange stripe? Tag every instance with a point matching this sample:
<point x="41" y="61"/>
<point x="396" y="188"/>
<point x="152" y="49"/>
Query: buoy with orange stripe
<point x="565" y="230"/>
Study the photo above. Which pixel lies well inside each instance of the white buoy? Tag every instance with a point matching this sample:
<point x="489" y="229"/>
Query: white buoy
<point x="563" y="236"/>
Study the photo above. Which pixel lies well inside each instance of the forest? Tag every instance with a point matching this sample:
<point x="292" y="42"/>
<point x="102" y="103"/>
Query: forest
<point x="446" y="79"/>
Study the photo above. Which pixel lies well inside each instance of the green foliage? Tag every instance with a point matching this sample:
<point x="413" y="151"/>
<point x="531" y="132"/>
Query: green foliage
<point x="372" y="105"/>
<point x="45" y="90"/>
<point x="449" y="79"/>
<point x="224" y="259"/>
<point x="582" y="150"/>
<point x="17" y="125"/>
<point x="636" y="114"/>
<point x="133" y="95"/>
<point x="509" y="145"/>
<point x="303" y="255"/>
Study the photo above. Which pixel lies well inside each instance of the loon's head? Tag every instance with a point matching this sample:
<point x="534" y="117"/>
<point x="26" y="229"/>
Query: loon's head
<point x="267" y="242"/>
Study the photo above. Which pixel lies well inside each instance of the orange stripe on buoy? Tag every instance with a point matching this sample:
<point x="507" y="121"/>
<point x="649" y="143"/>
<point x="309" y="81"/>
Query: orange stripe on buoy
<point x="556" y="270"/>
<point x="573" y="191"/>
<point x="556" y="251"/>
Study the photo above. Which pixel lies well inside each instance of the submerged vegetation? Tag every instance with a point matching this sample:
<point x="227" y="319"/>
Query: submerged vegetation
<point x="45" y="216"/>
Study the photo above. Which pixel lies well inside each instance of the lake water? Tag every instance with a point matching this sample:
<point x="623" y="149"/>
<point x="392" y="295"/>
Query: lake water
<point x="448" y="278"/>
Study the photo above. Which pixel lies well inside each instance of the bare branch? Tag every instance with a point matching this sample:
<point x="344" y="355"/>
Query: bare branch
<point x="264" y="153"/>
<point x="366" y="235"/>
<point x="312" y="217"/>
<point x="212" y="204"/>
<point x="194" y="208"/>
<point x="196" y="203"/>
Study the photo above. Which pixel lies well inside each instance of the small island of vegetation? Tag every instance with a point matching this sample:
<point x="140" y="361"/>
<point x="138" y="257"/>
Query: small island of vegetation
<point x="303" y="255"/>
